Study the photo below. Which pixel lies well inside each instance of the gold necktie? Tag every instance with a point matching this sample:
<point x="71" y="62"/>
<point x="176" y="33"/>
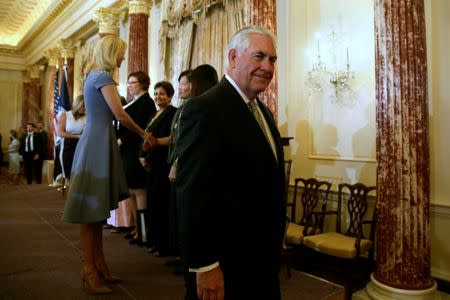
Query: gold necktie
<point x="253" y="105"/>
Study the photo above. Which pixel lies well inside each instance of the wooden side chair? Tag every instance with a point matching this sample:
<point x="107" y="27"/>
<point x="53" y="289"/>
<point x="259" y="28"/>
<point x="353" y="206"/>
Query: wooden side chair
<point x="313" y="200"/>
<point x="347" y="247"/>
<point x="314" y="193"/>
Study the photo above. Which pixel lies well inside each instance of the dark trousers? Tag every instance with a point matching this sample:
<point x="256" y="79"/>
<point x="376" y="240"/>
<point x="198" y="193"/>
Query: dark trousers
<point x="32" y="167"/>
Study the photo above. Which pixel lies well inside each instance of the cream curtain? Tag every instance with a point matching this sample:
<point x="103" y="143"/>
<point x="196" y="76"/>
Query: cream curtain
<point x="179" y="50"/>
<point x="212" y="36"/>
<point x="195" y="32"/>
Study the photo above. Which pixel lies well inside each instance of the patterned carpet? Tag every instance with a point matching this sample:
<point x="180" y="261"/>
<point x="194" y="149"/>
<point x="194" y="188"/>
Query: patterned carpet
<point x="40" y="256"/>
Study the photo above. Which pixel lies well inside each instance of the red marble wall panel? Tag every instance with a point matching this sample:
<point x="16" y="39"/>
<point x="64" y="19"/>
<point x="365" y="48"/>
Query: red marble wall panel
<point x="50" y="112"/>
<point x="26" y="92"/>
<point x="32" y="101"/>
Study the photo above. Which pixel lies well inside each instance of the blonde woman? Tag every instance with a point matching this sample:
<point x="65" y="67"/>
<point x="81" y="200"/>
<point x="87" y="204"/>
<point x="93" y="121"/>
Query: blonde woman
<point x="70" y="126"/>
<point x="97" y="179"/>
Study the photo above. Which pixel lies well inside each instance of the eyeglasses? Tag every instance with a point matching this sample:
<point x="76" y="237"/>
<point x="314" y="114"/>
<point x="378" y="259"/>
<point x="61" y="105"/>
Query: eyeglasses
<point x="132" y="82"/>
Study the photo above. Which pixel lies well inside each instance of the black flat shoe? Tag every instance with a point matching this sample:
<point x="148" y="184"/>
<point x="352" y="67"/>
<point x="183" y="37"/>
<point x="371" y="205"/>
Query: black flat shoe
<point x="152" y="250"/>
<point x="134" y="241"/>
<point x="173" y="263"/>
<point x="128" y="236"/>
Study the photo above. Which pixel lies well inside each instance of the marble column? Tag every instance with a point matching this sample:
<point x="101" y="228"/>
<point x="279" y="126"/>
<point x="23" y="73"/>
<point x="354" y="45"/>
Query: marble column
<point x="26" y="92"/>
<point x="264" y="13"/>
<point x="32" y="99"/>
<point x="67" y="48"/>
<point x="107" y="19"/>
<point x="139" y="11"/>
<point x="403" y="174"/>
<point x="53" y="55"/>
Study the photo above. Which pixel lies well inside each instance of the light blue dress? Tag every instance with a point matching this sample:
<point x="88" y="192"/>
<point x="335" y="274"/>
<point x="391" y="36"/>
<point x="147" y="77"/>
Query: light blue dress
<point x="14" y="163"/>
<point x="97" y="179"/>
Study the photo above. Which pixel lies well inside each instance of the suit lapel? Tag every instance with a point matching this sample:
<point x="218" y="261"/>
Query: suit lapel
<point x="241" y="114"/>
<point x="273" y="130"/>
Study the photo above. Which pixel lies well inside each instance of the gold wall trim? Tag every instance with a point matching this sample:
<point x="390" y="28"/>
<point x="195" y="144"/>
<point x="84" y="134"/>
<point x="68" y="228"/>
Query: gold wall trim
<point x="86" y="31"/>
<point x="9" y="51"/>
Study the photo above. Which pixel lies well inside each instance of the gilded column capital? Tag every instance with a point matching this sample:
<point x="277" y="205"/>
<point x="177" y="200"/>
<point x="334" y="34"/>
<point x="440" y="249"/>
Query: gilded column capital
<point x="52" y="55"/>
<point x="139" y="7"/>
<point x="67" y="48"/>
<point x="78" y="45"/>
<point x="107" y="20"/>
<point x="35" y="71"/>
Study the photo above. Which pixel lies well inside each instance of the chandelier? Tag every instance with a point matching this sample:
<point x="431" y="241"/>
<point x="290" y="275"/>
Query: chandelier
<point x="337" y="83"/>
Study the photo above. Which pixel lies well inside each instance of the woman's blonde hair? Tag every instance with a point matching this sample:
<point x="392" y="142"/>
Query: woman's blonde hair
<point x="83" y="63"/>
<point x="78" y="102"/>
<point x="106" y="53"/>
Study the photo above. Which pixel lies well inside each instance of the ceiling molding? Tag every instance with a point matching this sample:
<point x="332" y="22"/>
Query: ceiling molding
<point x="42" y="27"/>
<point x="12" y="61"/>
<point x="65" y="19"/>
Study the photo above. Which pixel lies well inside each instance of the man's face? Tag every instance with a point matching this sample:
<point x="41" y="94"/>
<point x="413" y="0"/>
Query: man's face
<point x="184" y="88"/>
<point x="30" y="128"/>
<point x="253" y="69"/>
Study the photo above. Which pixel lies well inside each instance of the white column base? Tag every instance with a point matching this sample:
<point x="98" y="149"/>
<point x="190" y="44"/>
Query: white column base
<point x="379" y="291"/>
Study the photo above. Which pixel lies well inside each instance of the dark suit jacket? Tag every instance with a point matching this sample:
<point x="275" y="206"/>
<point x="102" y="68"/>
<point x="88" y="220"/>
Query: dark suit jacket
<point x="230" y="187"/>
<point x="140" y="111"/>
<point x="157" y="157"/>
<point x="44" y="139"/>
<point x="37" y="146"/>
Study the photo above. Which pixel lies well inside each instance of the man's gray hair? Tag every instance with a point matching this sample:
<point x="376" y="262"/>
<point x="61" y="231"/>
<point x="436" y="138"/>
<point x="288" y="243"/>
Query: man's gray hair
<point x="240" y="40"/>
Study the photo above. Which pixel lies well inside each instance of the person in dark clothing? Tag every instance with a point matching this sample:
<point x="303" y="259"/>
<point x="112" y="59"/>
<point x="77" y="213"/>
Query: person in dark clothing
<point x="32" y="151"/>
<point x="154" y="160"/>
<point x="230" y="169"/>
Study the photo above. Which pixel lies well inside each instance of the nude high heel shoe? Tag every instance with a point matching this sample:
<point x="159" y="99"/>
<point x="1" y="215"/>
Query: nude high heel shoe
<point x="103" y="273"/>
<point x="91" y="283"/>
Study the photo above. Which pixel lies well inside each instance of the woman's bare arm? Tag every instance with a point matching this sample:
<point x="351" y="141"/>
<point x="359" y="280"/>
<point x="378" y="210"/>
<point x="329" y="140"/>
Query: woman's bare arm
<point x="62" y="127"/>
<point x="113" y="101"/>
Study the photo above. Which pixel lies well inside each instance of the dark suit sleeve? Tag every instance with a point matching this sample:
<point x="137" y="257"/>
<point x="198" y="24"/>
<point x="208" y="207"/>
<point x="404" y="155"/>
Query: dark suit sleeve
<point x="38" y="145"/>
<point x="140" y="113"/>
<point x="44" y="141"/>
<point x="197" y="180"/>
<point x="22" y="146"/>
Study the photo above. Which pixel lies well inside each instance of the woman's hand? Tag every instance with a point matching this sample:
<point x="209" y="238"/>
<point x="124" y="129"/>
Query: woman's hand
<point x="149" y="141"/>
<point x="144" y="164"/>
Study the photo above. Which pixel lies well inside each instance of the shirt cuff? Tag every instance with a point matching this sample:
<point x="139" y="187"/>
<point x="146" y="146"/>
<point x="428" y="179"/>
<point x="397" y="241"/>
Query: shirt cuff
<point x="204" y="269"/>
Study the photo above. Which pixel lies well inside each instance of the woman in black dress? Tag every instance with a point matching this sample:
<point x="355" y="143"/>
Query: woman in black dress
<point x="140" y="108"/>
<point x="155" y="161"/>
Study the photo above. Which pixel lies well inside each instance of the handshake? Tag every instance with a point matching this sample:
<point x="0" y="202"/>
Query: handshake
<point x="149" y="142"/>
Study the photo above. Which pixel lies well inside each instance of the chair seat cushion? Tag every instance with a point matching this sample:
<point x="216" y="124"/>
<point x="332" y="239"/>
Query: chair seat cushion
<point x="294" y="234"/>
<point x="336" y="244"/>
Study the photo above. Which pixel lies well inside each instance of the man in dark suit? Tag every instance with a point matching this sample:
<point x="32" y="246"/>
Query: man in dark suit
<point x="44" y="139"/>
<point x="31" y="149"/>
<point x="230" y="179"/>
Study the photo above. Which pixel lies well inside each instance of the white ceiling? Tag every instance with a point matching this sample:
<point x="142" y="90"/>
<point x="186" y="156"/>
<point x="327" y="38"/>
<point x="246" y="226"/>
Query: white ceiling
<point x="17" y="17"/>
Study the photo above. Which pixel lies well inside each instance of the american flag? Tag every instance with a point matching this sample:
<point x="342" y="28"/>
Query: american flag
<point x="61" y="101"/>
